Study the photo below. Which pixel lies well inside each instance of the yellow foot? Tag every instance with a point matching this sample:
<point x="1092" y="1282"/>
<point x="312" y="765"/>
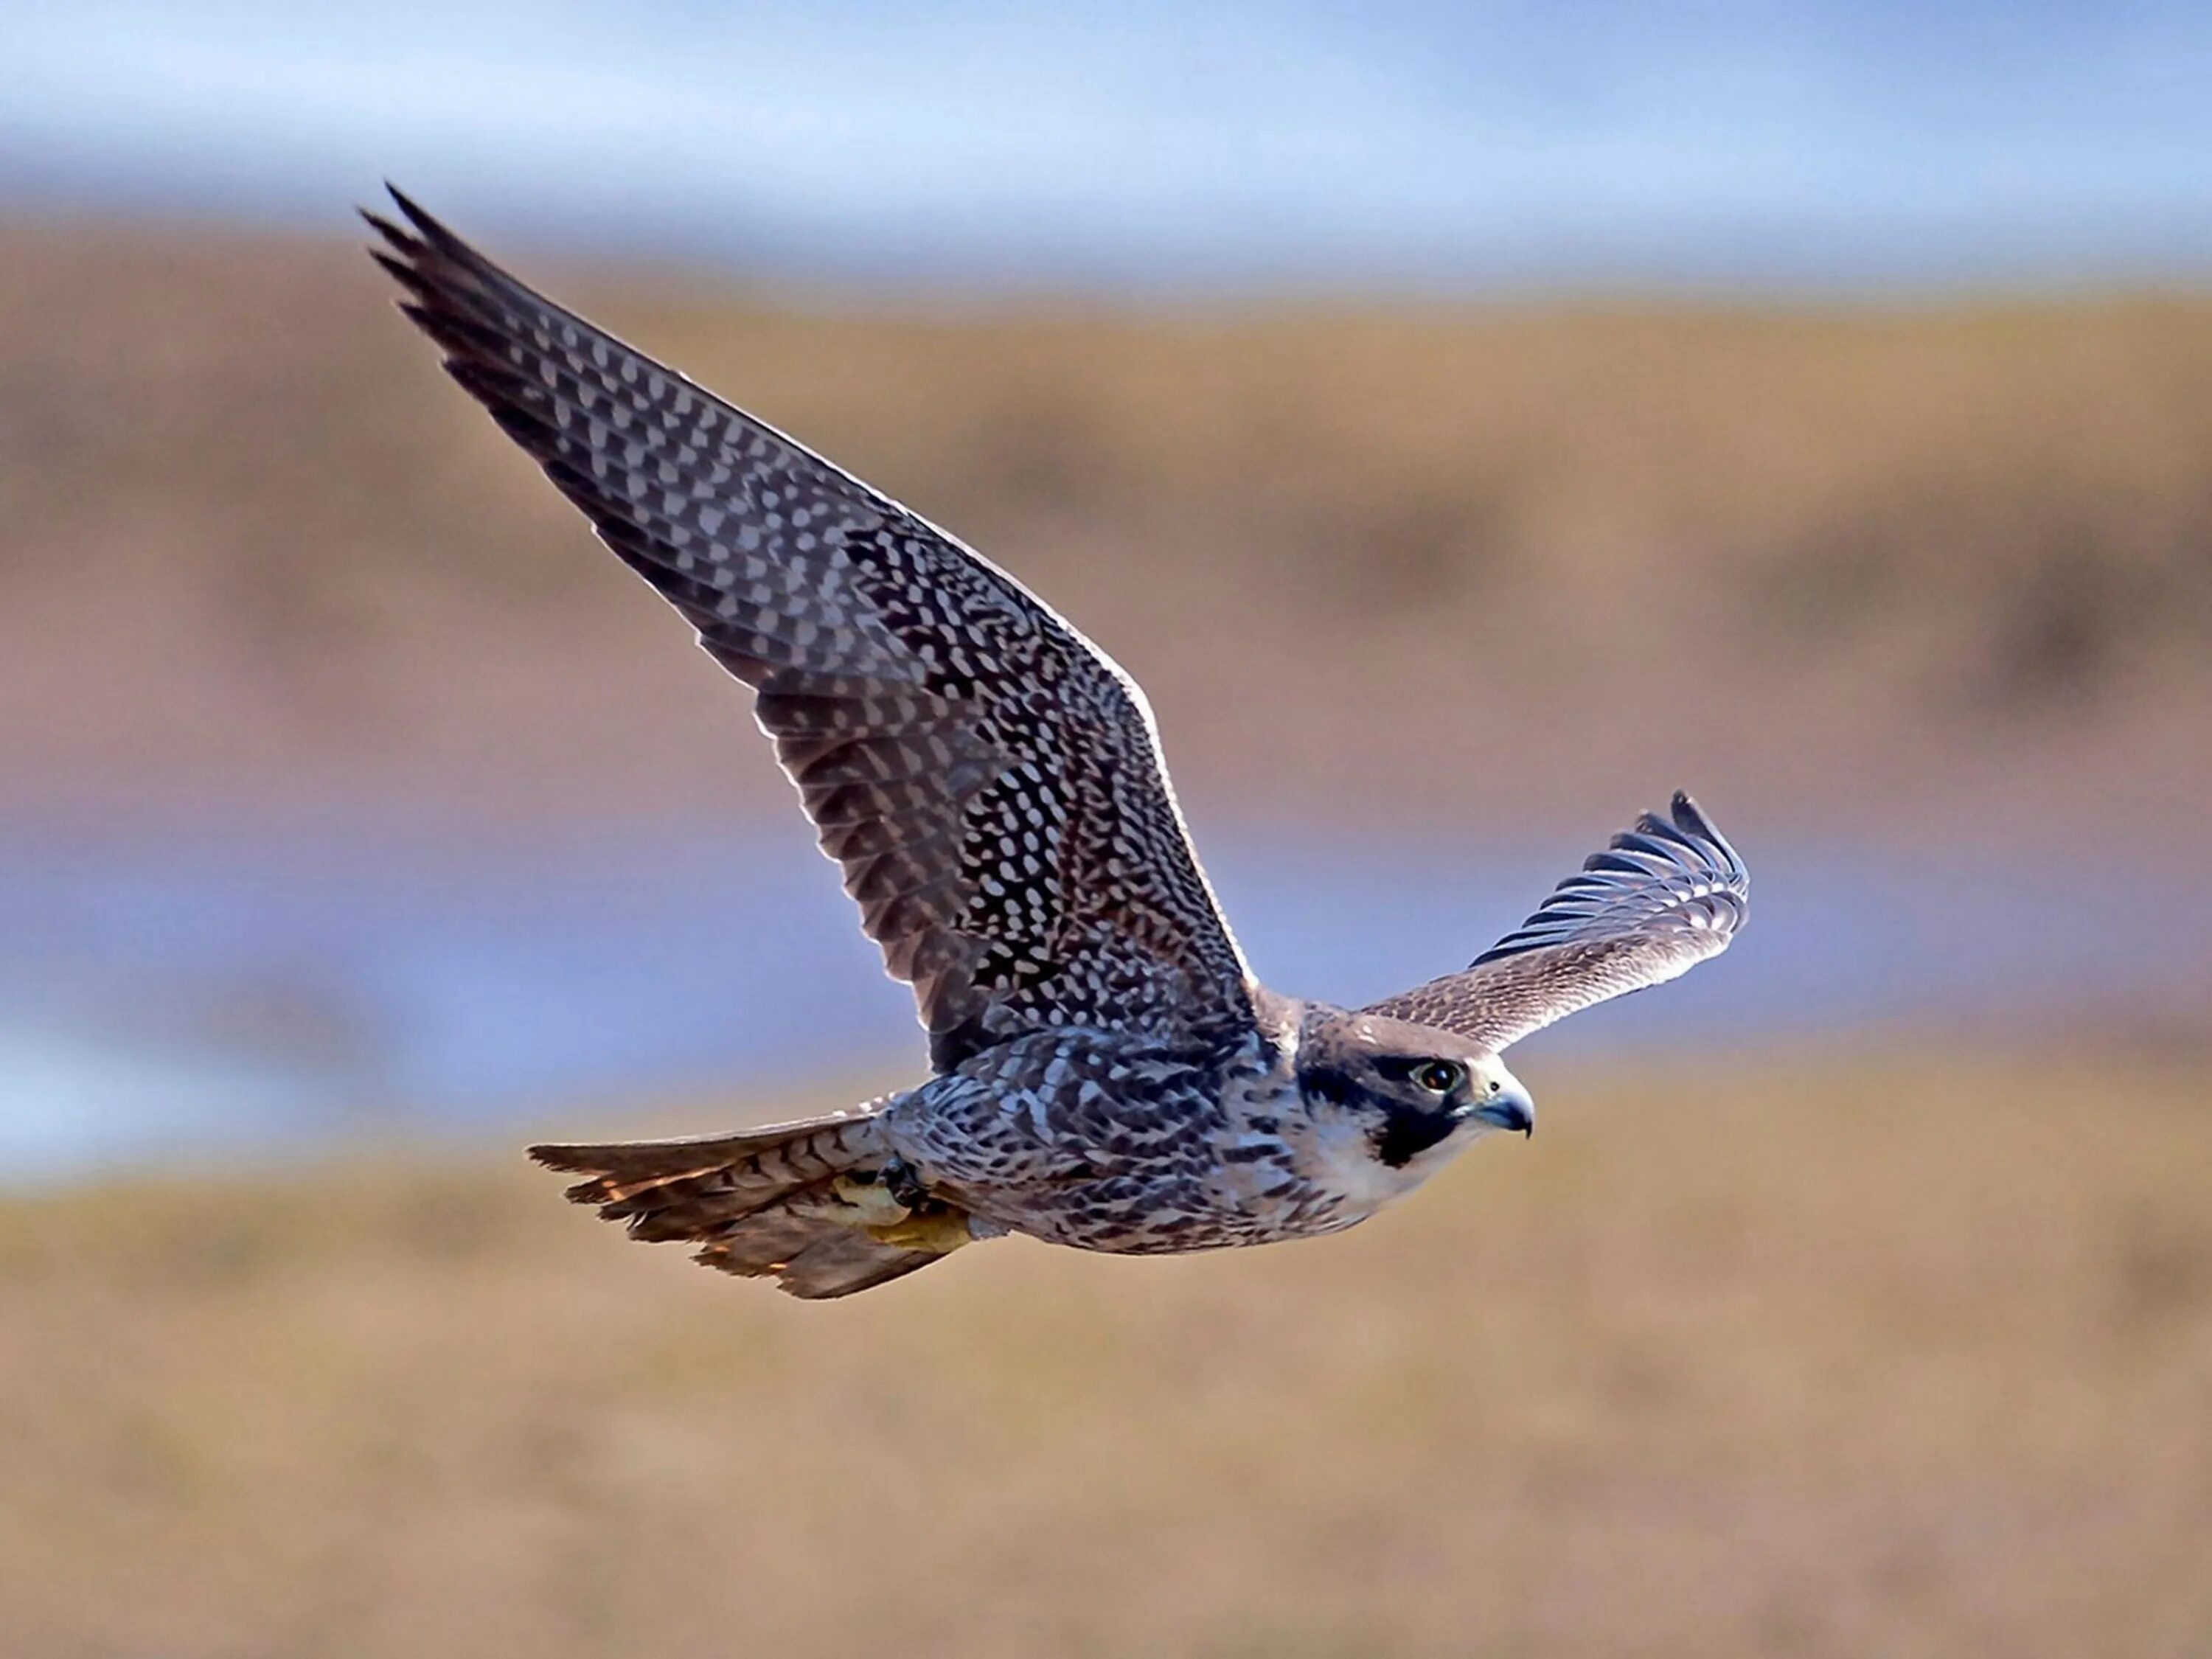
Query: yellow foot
<point x="937" y="1229"/>
<point x="871" y="1201"/>
<point x="866" y="1205"/>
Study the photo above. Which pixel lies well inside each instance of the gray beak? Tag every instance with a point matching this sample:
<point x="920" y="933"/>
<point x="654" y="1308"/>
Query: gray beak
<point x="1510" y="1110"/>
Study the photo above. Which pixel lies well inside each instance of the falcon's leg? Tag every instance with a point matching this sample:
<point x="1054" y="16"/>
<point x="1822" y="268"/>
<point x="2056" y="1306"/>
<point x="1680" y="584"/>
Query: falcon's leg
<point x="892" y="1206"/>
<point x="904" y="1182"/>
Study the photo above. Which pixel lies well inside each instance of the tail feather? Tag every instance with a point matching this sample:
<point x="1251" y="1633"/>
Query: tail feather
<point x="617" y="1164"/>
<point x="803" y="1202"/>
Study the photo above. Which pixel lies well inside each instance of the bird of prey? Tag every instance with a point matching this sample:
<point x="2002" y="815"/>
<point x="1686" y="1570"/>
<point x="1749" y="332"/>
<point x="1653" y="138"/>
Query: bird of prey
<point x="1105" y="1072"/>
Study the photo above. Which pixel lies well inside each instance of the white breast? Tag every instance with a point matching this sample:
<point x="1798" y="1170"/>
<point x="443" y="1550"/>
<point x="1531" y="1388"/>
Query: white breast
<point x="1337" y="1154"/>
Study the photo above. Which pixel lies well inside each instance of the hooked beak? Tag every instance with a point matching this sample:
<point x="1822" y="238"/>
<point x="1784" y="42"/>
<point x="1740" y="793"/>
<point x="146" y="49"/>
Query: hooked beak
<point x="1510" y="1109"/>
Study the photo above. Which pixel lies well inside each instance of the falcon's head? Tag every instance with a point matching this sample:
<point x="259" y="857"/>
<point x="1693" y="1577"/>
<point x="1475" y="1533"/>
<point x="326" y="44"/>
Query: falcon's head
<point x="1414" y="1089"/>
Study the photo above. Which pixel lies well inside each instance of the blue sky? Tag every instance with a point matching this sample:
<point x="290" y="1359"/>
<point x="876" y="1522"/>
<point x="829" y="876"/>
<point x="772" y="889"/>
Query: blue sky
<point x="1148" y="144"/>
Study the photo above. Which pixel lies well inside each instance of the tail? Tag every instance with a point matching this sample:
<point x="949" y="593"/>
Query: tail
<point x="824" y="1205"/>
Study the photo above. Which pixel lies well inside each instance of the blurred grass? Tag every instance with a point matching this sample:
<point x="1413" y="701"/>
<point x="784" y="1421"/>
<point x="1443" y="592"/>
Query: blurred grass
<point x="1885" y="566"/>
<point x="1840" y="1352"/>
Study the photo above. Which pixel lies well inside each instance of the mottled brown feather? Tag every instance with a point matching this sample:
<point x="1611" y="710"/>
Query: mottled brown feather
<point x="1664" y="897"/>
<point x="769" y="1202"/>
<point x="989" y="780"/>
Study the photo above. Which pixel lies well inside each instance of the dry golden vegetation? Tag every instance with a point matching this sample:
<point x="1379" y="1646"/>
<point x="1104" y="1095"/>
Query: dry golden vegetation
<point x="1855" y="1355"/>
<point x="1885" y="566"/>
<point x="1829" y="1354"/>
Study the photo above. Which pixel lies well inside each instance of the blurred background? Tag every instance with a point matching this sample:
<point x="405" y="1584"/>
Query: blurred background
<point x="1469" y="423"/>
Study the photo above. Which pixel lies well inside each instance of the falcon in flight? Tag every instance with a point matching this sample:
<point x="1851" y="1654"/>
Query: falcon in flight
<point x="1105" y="1072"/>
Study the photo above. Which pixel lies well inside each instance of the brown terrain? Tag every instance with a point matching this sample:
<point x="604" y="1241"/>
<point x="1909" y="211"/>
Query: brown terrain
<point x="1898" y="570"/>
<point x="1847" y="1354"/>
<point x="1899" y="1346"/>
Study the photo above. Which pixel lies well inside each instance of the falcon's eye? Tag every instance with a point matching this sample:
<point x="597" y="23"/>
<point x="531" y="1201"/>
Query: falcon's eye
<point x="1439" y="1077"/>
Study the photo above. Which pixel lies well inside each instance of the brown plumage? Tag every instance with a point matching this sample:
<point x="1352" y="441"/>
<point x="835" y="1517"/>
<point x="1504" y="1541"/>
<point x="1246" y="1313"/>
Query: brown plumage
<point x="989" y="780"/>
<point x="806" y="1202"/>
<point x="1664" y="897"/>
<point x="1106" y="1072"/>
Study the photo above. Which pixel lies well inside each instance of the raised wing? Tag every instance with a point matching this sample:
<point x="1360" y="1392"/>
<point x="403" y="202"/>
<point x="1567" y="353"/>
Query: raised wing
<point x="1662" y="899"/>
<point x="989" y="780"/>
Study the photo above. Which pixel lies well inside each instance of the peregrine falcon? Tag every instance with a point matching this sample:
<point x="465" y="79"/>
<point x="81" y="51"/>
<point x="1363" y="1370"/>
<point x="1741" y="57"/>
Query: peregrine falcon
<point x="1105" y="1072"/>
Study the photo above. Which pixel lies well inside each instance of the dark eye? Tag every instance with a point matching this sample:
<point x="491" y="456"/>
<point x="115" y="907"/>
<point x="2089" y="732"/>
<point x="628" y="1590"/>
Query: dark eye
<point x="1439" y="1077"/>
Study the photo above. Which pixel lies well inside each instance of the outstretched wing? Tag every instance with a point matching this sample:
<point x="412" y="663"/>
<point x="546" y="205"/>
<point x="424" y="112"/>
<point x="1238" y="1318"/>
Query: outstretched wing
<point x="1662" y="899"/>
<point x="989" y="780"/>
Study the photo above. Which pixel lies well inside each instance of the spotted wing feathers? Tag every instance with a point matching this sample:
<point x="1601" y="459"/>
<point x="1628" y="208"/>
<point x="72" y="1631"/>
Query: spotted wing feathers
<point x="1663" y="897"/>
<point x="989" y="780"/>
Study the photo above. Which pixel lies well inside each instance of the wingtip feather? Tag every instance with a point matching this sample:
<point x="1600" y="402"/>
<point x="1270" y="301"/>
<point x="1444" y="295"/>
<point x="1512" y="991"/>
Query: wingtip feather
<point x="1692" y="819"/>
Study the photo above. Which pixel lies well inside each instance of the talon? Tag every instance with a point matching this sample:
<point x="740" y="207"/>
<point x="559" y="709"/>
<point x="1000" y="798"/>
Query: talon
<point x="903" y="1182"/>
<point x="872" y="1205"/>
